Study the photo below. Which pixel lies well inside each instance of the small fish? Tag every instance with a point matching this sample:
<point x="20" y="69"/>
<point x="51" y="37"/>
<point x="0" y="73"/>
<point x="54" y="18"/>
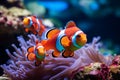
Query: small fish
<point x="65" y="41"/>
<point x="34" y="25"/>
<point x="36" y="53"/>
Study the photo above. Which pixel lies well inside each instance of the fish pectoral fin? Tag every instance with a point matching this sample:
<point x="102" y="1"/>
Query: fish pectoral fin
<point x="52" y="32"/>
<point x="31" y="56"/>
<point x="65" y="41"/>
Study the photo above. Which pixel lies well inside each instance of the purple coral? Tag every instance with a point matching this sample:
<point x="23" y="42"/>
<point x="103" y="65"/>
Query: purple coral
<point x="19" y="68"/>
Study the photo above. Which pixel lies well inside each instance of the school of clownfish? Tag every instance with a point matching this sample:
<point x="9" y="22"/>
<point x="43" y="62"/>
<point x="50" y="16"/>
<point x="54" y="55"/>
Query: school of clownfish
<point x="62" y="42"/>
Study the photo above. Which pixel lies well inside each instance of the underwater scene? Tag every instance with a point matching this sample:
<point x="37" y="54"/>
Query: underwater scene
<point x="59" y="40"/>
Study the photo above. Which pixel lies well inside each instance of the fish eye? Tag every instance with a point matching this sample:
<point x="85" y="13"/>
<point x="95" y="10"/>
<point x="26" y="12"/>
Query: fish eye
<point x="78" y="36"/>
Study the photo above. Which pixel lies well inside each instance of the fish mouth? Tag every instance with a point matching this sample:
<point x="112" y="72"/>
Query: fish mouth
<point x="84" y="39"/>
<point x="83" y="42"/>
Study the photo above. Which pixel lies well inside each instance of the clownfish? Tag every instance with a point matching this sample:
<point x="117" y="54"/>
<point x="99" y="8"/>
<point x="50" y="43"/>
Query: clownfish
<point x="34" y="25"/>
<point x="65" y="41"/>
<point x="36" y="53"/>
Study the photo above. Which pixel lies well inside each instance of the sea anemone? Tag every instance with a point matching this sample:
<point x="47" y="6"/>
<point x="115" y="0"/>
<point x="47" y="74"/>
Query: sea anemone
<point x="19" y="68"/>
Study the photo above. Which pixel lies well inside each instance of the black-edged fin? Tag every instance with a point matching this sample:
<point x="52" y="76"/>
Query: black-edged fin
<point x="27" y="55"/>
<point x="52" y="32"/>
<point x="53" y="54"/>
<point x="70" y="24"/>
<point x="56" y="54"/>
<point x="65" y="54"/>
<point x="30" y="49"/>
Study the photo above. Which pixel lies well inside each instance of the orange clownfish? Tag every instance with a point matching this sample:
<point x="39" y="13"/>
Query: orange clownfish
<point x="36" y="53"/>
<point x="65" y="41"/>
<point x="34" y="25"/>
